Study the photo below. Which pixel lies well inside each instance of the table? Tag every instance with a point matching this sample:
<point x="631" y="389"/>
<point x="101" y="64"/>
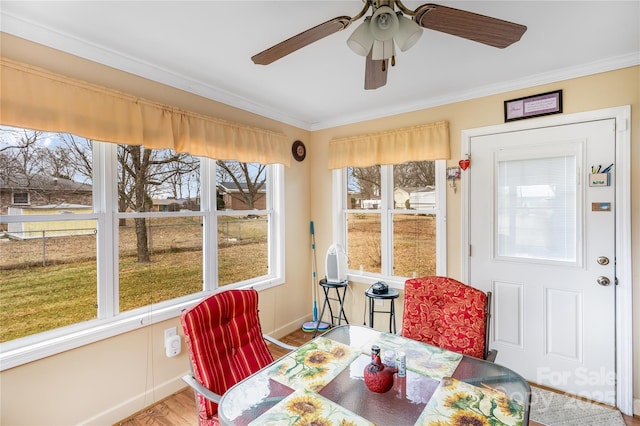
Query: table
<point x="324" y="378"/>
<point x="390" y="295"/>
<point x="326" y="287"/>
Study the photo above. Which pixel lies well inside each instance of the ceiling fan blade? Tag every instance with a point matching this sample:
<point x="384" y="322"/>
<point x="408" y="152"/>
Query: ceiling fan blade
<point x="375" y="72"/>
<point x="301" y="40"/>
<point x="472" y="26"/>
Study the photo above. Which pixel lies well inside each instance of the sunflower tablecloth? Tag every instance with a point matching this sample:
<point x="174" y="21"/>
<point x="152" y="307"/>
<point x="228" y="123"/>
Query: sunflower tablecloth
<point x="456" y="403"/>
<point x="424" y="359"/>
<point x="313" y="365"/>
<point x="304" y="407"/>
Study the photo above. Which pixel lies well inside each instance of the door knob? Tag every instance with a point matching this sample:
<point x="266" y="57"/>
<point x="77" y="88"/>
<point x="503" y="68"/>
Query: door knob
<point x="603" y="260"/>
<point x="603" y="281"/>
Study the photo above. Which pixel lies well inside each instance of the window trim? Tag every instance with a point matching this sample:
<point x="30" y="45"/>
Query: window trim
<point x="339" y="211"/>
<point x="13" y="198"/>
<point x="110" y="323"/>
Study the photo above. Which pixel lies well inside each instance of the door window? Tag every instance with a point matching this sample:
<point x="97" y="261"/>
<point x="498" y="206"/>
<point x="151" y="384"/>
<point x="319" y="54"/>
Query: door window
<point x="537" y="208"/>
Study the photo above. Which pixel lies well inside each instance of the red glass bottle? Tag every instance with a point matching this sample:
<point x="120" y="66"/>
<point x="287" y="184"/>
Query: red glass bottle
<point x="377" y="377"/>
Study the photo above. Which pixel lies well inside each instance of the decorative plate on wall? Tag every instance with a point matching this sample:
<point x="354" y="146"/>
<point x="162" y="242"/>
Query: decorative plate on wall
<point x="298" y="150"/>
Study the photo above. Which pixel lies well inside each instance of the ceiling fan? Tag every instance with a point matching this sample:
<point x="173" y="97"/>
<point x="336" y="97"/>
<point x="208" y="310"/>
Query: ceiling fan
<point x="387" y="27"/>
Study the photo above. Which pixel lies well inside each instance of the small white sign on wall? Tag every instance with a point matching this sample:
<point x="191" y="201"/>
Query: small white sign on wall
<point x="599" y="179"/>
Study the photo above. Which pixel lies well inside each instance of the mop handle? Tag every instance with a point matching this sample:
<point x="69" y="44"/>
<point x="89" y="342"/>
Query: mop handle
<point x="314" y="290"/>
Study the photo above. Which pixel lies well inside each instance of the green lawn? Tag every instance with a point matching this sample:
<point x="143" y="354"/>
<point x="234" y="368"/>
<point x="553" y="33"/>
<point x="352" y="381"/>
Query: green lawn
<point x="36" y="298"/>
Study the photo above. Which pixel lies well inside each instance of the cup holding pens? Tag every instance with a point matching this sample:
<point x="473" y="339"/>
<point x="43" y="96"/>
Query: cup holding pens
<point x="600" y="176"/>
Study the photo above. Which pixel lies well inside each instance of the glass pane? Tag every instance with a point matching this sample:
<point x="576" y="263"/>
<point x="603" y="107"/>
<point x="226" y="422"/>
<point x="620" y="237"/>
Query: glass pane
<point x="20" y="198"/>
<point x="414" y="185"/>
<point x="414" y="235"/>
<point x="48" y="276"/>
<point x="241" y="186"/>
<point x="44" y="173"/>
<point x="160" y="259"/>
<point x="414" y="245"/>
<point x="157" y="180"/>
<point x="363" y="241"/>
<point x="363" y="187"/>
<point x="242" y="248"/>
<point x="537" y="210"/>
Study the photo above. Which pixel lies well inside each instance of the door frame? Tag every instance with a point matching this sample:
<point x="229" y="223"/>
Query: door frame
<point x="623" y="299"/>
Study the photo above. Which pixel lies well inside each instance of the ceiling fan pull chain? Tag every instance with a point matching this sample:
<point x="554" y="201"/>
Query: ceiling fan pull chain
<point x="393" y="61"/>
<point x="384" y="66"/>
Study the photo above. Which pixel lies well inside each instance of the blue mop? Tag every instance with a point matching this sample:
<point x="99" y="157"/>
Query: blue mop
<point x="311" y="326"/>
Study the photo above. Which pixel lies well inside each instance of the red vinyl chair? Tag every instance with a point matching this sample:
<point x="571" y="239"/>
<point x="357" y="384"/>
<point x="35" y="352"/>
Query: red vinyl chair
<point x="225" y="343"/>
<point x="446" y="313"/>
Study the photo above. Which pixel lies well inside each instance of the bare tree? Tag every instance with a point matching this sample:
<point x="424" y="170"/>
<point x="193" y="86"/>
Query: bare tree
<point x="144" y="173"/>
<point x="22" y="154"/>
<point x="416" y="174"/>
<point x="249" y="179"/>
<point x="365" y="181"/>
<point x="79" y="155"/>
<point x="184" y="177"/>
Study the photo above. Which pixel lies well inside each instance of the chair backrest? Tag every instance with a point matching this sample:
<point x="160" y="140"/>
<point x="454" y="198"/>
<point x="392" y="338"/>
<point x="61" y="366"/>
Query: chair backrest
<point x="225" y="343"/>
<point x="446" y="313"/>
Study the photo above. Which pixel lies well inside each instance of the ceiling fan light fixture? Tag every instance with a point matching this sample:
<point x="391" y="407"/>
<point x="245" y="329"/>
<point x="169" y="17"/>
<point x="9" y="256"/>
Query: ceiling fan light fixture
<point x="361" y="39"/>
<point x="383" y="49"/>
<point x="408" y="34"/>
<point x="384" y="23"/>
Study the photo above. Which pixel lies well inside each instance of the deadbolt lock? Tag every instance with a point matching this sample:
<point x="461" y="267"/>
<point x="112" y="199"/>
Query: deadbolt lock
<point x="603" y="260"/>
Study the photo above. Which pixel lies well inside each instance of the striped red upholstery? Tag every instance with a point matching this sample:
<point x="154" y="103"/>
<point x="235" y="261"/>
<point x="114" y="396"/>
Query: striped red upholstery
<point x="225" y="343"/>
<point x="445" y="313"/>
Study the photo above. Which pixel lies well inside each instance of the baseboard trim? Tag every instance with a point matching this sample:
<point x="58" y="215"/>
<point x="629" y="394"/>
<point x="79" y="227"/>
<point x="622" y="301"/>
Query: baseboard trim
<point x="636" y="406"/>
<point x="290" y="327"/>
<point x="138" y="403"/>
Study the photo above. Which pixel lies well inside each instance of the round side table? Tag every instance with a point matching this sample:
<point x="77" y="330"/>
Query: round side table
<point x="391" y="295"/>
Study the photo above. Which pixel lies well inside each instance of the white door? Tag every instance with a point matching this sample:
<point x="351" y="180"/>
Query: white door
<point x="542" y="236"/>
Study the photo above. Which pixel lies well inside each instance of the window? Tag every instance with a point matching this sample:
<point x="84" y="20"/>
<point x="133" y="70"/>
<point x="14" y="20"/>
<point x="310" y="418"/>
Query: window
<point x="122" y="235"/>
<point x="391" y="219"/>
<point x="20" y="198"/>
<point x="538" y="209"/>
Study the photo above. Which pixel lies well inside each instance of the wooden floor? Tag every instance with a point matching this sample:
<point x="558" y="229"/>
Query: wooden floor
<point x="180" y="408"/>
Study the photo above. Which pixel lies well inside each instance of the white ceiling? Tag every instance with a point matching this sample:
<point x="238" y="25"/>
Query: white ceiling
<point x="205" y="47"/>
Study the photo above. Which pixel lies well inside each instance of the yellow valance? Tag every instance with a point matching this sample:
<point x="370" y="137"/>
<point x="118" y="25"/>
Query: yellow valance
<point x="37" y="99"/>
<point x="417" y="143"/>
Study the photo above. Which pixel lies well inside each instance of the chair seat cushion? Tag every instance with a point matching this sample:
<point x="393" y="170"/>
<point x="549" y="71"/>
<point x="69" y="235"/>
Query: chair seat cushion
<point x="445" y="313"/>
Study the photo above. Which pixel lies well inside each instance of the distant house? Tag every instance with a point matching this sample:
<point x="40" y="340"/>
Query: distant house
<point x="400" y="197"/>
<point x="371" y="204"/>
<point x="423" y="198"/>
<point x="233" y="199"/>
<point x="20" y="190"/>
<point x="414" y="198"/>
<point x="174" y="204"/>
<point x="26" y="195"/>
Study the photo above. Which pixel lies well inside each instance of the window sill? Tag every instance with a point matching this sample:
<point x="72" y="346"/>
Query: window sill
<point x="357" y="277"/>
<point x="32" y="348"/>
